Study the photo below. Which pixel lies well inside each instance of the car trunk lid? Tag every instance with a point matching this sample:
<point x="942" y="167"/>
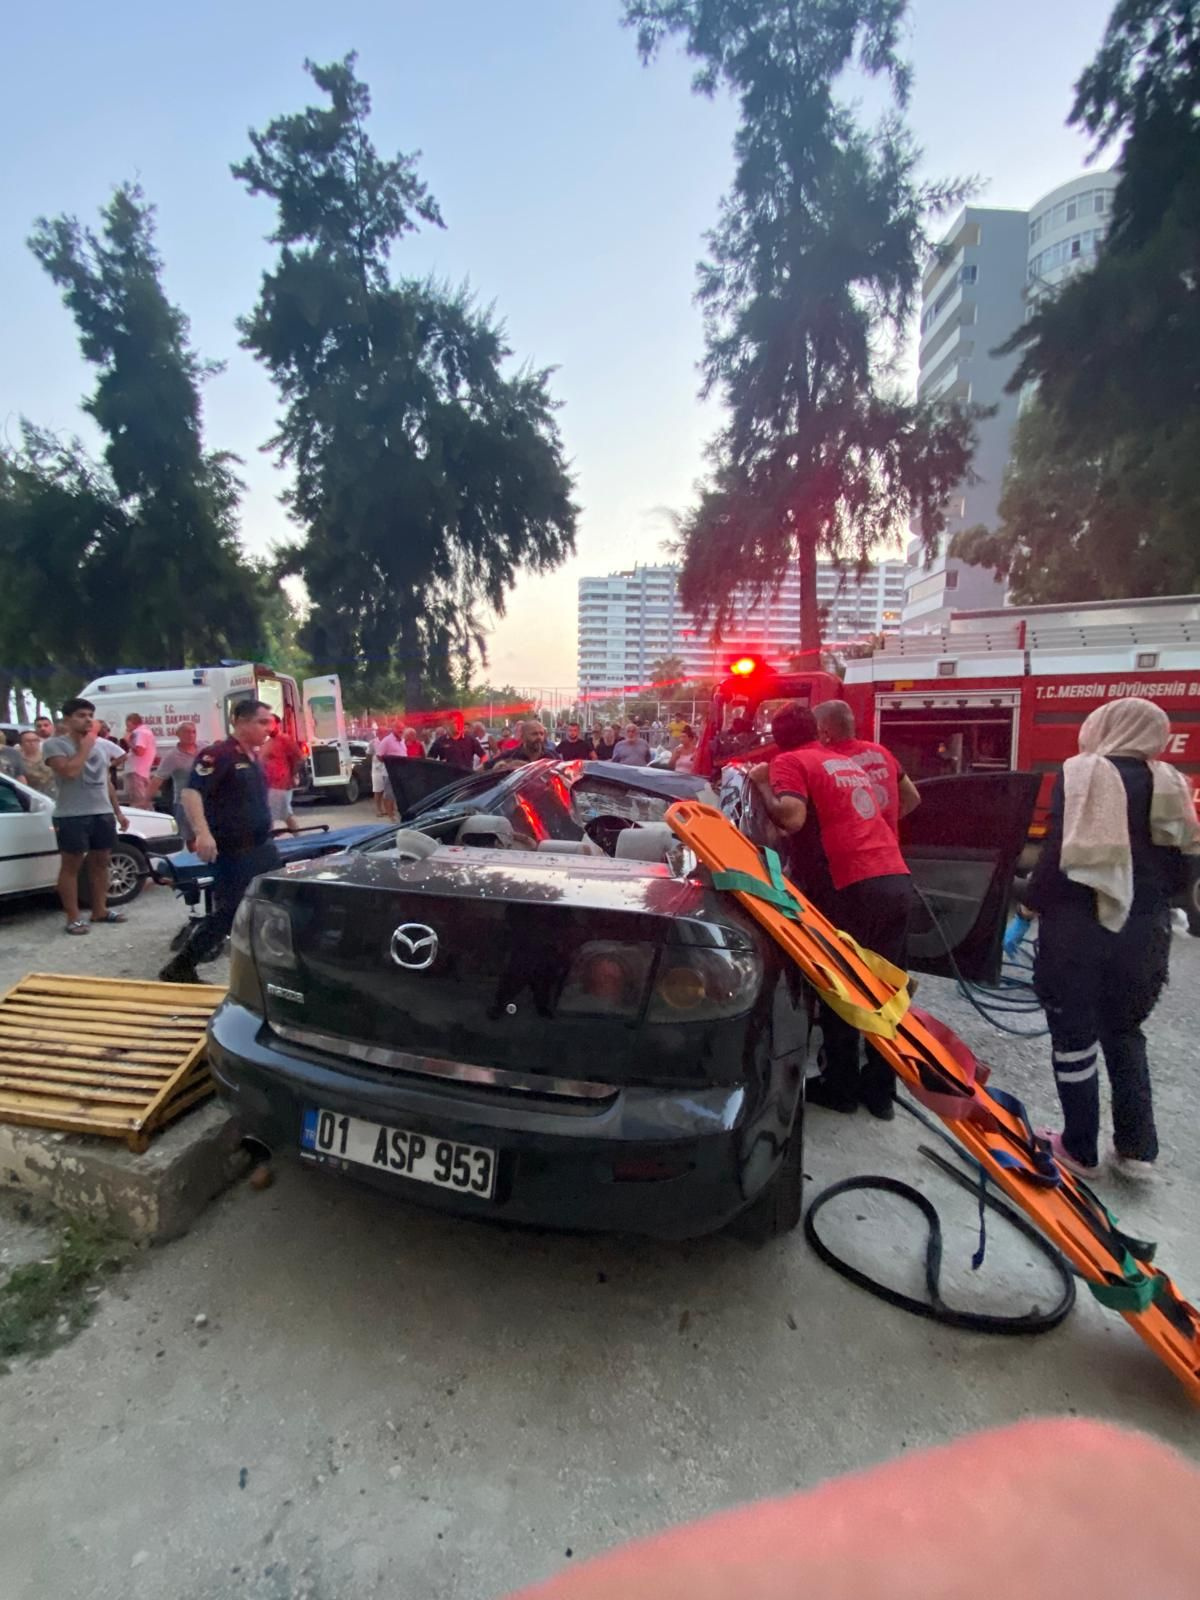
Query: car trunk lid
<point x="464" y="956"/>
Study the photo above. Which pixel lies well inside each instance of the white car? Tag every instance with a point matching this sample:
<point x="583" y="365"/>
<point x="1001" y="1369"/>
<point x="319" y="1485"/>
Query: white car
<point x="29" y="850"/>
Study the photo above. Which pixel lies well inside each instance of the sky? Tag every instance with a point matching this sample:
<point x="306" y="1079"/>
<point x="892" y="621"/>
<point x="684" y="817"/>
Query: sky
<point x="575" y="183"/>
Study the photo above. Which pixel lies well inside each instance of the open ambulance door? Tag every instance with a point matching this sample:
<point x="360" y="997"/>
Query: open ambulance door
<point x="962" y="845"/>
<point x="325" y="722"/>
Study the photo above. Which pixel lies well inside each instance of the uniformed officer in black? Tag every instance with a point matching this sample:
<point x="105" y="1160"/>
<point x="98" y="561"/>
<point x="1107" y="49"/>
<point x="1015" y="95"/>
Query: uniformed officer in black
<point x="226" y="806"/>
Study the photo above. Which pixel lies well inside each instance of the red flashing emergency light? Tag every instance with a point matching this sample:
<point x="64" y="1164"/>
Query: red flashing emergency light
<point x="744" y="666"/>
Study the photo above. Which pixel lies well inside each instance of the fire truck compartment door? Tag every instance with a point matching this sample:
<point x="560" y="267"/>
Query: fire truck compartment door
<point x="962" y="844"/>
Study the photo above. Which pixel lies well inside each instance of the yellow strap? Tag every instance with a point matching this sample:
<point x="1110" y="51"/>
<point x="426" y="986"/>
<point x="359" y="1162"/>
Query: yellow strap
<point x="882" y="1020"/>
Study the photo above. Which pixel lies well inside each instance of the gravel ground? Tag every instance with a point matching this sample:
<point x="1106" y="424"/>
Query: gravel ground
<point x="381" y="1401"/>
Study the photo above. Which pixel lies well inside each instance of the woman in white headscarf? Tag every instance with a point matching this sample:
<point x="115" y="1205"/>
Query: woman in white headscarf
<point x="1121" y="824"/>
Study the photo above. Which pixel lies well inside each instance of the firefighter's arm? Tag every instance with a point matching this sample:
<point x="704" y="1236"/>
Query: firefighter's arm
<point x="786" y="811"/>
<point x="910" y="795"/>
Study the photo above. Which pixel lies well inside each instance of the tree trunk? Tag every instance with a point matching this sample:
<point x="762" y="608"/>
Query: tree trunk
<point x="810" y="616"/>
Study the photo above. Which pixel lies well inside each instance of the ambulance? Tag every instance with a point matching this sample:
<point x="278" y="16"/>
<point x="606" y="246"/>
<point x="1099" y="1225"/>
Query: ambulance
<point x="310" y="711"/>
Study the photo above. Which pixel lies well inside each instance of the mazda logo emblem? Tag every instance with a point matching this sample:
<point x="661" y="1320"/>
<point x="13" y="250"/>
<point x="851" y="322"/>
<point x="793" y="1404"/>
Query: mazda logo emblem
<point x="414" y="946"/>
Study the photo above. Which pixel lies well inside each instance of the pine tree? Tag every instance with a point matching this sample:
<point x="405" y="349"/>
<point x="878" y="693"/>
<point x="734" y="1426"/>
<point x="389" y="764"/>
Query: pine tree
<point x="811" y="278"/>
<point x="426" y="474"/>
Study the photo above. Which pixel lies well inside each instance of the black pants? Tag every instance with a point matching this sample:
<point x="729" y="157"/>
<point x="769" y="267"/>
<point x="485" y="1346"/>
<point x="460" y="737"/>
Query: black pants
<point x="874" y="911"/>
<point x="233" y="872"/>
<point x="1097" y="988"/>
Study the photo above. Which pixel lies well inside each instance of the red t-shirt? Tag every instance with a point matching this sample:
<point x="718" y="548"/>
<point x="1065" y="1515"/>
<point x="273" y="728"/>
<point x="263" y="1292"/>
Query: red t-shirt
<point x="882" y="768"/>
<point x="859" y="841"/>
<point x="280" y="758"/>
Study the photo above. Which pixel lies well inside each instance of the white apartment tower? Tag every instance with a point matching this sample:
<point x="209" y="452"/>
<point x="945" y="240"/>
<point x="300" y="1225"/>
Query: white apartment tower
<point x="988" y="272"/>
<point x="630" y="620"/>
<point x="1066" y="228"/>
<point x="972" y="299"/>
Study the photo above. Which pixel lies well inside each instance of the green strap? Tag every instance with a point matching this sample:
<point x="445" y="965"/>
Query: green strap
<point x="1142" y="1249"/>
<point x="1138" y="1290"/>
<point x="775" y="871"/>
<point x="747" y="883"/>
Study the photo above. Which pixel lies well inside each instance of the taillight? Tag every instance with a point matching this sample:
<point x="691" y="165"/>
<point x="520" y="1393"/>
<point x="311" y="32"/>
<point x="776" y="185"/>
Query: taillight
<point x="695" y="985"/>
<point x="271" y="934"/>
<point x="244" y="985"/>
<point x="607" y="979"/>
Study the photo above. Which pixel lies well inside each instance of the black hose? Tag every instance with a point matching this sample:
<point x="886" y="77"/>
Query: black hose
<point x="935" y="1308"/>
<point x="1013" y="995"/>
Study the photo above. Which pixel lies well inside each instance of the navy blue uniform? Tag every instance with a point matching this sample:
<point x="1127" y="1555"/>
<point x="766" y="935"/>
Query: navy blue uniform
<point x="1097" y="986"/>
<point x="233" y="788"/>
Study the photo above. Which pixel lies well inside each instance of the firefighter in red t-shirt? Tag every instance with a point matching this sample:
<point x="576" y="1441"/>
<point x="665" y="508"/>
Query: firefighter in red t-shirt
<point x="895" y="790"/>
<point x="871" y="890"/>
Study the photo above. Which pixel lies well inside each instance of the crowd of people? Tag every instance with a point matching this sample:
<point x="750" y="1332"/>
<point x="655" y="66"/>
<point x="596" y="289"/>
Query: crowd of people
<point x="130" y="759"/>
<point x="471" y="747"/>
<point x="23" y="759"/>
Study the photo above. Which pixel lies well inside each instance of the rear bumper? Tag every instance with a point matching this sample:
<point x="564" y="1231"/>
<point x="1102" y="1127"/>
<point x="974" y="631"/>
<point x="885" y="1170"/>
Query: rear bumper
<point x="555" y="1165"/>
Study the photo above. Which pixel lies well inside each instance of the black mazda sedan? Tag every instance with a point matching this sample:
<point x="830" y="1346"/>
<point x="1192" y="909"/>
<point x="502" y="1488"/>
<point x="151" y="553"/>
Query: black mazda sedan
<point x="566" y="1025"/>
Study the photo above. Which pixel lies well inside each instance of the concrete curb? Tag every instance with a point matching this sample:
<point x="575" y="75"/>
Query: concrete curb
<point x="151" y="1197"/>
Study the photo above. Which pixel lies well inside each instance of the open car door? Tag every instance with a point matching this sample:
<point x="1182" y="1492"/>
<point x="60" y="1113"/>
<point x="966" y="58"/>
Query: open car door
<point x="962" y="845"/>
<point x="415" y="778"/>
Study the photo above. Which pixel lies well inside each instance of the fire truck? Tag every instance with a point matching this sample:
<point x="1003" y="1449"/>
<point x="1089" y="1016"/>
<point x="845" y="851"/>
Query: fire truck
<point x="993" y="691"/>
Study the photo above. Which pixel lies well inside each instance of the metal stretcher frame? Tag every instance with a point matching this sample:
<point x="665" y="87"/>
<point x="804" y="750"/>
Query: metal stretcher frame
<point x="943" y="1073"/>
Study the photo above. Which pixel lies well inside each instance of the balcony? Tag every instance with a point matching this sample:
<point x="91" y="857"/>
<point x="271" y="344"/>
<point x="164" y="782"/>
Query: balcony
<point x="960" y="313"/>
<point x="950" y="379"/>
<point x="948" y="312"/>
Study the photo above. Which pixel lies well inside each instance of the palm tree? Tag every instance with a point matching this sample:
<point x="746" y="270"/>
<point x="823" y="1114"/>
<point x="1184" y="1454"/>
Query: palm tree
<point x="668" y="671"/>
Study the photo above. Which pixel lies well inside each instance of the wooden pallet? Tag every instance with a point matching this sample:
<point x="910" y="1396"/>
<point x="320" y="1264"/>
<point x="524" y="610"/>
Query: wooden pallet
<point x="104" y="1056"/>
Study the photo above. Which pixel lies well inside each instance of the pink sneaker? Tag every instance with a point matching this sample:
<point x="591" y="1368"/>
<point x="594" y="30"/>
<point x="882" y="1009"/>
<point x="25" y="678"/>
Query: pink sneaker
<point x="1064" y="1157"/>
<point x="1133" y="1169"/>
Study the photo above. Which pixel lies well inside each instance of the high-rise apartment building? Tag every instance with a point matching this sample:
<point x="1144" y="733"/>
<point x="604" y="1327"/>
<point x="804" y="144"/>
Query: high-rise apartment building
<point x="1066" y="228"/>
<point x="630" y="620"/>
<point x="988" y="272"/>
<point x="972" y="299"/>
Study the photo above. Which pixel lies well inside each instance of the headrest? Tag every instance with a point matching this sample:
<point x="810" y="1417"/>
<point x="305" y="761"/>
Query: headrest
<point x="414" y="846"/>
<point x="485" y="830"/>
<point x="649" y="842"/>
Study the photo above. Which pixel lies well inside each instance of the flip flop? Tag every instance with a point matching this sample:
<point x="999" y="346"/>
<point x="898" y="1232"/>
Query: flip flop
<point x="111" y="916"/>
<point x="76" y="927"/>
